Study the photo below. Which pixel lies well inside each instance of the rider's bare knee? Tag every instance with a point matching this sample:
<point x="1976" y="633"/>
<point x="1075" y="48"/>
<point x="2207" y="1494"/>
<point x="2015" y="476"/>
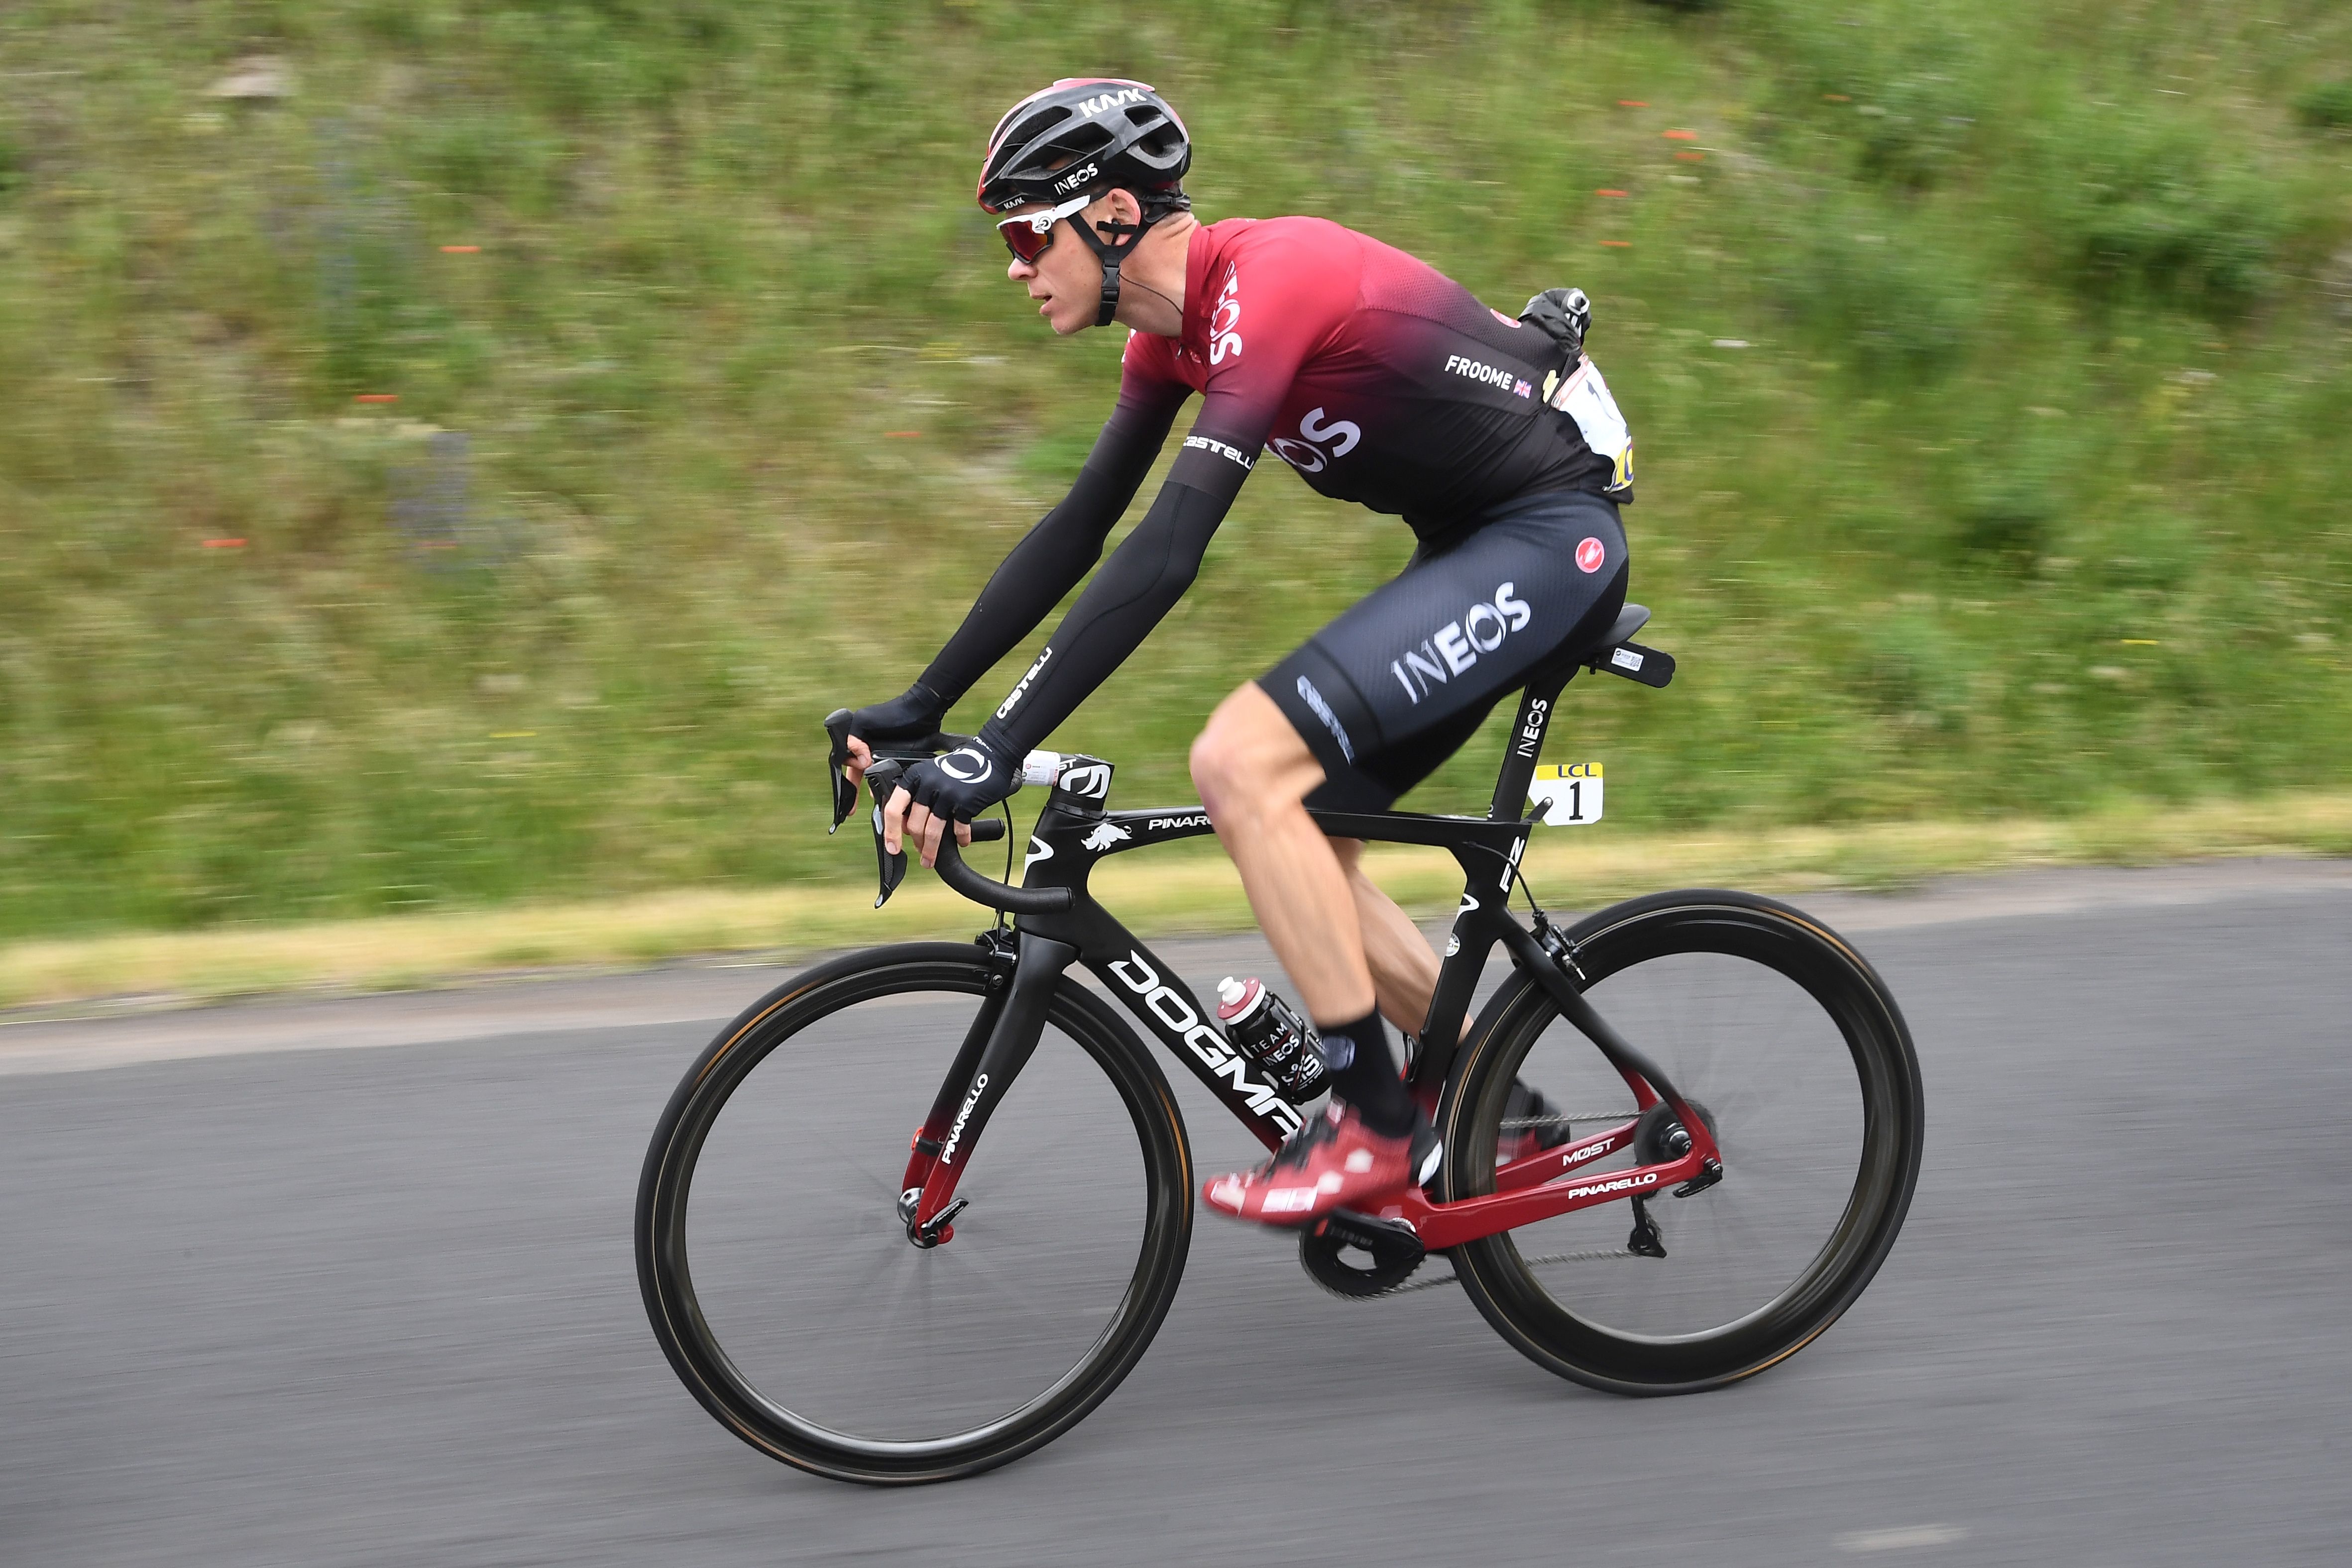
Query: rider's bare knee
<point x="1237" y="763"/>
<point x="1248" y="760"/>
<point x="1218" y="764"/>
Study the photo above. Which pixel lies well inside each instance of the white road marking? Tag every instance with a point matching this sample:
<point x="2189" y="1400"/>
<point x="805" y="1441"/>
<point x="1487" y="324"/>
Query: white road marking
<point x="1896" y="1539"/>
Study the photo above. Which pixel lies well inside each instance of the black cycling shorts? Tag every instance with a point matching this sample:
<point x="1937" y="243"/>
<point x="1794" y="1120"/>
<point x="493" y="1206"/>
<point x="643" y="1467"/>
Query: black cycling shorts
<point x="1404" y="676"/>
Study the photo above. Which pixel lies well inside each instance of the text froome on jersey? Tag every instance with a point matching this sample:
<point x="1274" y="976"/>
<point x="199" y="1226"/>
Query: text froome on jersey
<point x="1457" y="645"/>
<point x="1490" y="375"/>
<point x="1176" y="1015"/>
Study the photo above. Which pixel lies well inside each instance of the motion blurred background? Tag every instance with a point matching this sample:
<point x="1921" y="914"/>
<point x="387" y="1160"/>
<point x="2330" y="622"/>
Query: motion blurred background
<point x="452" y="452"/>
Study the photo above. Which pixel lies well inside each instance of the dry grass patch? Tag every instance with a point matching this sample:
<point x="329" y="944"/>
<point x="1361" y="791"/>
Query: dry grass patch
<point x="1169" y="892"/>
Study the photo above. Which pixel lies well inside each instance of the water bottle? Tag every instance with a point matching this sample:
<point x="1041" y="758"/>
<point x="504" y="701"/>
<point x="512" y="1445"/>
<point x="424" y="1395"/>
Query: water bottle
<point x="1264" y="1029"/>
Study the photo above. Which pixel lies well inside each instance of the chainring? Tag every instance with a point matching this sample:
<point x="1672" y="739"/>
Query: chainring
<point x="1394" y="1250"/>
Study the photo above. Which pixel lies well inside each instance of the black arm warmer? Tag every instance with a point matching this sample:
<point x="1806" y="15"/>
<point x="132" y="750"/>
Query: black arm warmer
<point x="1052" y="557"/>
<point x="1142" y="583"/>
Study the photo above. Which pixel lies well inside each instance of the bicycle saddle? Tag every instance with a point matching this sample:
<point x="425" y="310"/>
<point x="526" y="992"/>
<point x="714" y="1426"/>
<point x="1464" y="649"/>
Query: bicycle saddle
<point x="1619" y="654"/>
<point x="1630" y="620"/>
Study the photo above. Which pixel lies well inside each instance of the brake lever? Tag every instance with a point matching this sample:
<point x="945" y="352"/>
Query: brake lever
<point x="892" y="868"/>
<point x="845" y="793"/>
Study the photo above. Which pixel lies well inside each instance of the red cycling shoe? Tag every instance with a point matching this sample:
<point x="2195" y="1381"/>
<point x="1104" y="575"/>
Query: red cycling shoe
<point x="1335" y="1162"/>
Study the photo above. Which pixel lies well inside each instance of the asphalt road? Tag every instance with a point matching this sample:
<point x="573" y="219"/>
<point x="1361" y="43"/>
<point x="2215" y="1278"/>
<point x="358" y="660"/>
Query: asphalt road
<point x="350" y="1282"/>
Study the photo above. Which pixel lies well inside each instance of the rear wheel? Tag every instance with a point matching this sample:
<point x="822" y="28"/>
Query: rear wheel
<point x="774" y="1259"/>
<point x="1790" y="1047"/>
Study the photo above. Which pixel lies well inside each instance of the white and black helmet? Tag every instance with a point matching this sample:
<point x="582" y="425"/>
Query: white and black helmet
<point x="1085" y="135"/>
<point x="1082" y="137"/>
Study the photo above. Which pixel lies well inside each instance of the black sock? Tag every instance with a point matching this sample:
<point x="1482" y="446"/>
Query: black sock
<point x="1364" y="1074"/>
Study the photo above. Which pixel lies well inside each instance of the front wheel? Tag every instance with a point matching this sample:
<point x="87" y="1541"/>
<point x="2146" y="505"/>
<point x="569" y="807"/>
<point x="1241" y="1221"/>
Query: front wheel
<point x="774" y="1257"/>
<point x="1785" y="1041"/>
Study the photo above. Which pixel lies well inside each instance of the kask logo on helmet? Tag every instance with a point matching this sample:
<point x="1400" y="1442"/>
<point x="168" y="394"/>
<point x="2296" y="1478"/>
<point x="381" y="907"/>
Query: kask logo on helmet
<point x="1090" y="107"/>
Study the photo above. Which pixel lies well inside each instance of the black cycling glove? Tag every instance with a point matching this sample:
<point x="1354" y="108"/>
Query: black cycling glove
<point x="967" y="780"/>
<point x="908" y="719"/>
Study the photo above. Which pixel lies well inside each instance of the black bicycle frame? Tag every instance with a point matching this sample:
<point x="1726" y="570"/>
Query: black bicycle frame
<point x="1057" y="922"/>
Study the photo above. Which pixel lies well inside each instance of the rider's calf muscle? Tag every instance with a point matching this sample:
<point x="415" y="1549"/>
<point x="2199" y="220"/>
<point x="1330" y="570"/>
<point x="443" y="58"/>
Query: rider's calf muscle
<point x="1403" y="965"/>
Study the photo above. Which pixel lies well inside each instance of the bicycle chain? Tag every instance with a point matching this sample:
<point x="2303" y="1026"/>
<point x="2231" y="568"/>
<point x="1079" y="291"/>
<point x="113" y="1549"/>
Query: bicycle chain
<point x="1513" y="1124"/>
<point x="1519" y="1123"/>
<point x="1449" y="1278"/>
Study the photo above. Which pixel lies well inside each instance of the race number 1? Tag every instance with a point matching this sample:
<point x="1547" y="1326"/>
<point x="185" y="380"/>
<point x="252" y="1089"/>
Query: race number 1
<point x="1569" y="792"/>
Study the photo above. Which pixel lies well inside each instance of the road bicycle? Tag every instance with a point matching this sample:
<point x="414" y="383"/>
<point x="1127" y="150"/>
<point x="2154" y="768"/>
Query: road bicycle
<point x="1679" y="1137"/>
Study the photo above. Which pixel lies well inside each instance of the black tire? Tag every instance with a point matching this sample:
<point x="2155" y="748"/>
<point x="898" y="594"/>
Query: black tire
<point x="900" y="978"/>
<point x="1881" y="1113"/>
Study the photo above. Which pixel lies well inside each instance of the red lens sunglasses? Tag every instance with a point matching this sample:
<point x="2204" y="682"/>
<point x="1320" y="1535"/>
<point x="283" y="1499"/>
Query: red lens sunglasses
<point x="1027" y="235"/>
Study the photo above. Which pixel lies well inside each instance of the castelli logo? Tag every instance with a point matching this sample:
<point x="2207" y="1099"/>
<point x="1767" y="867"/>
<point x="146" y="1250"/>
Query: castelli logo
<point x="1591" y="554"/>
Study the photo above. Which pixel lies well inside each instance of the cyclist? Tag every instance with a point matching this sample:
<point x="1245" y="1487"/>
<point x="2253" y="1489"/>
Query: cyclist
<point x="1379" y="380"/>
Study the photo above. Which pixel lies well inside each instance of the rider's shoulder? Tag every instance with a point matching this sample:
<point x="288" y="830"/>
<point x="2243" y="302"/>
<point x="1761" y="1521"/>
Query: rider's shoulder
<point x="1283" y="237"/>
<point x="1307" y="263"/>
<point x="1150" y="354"/>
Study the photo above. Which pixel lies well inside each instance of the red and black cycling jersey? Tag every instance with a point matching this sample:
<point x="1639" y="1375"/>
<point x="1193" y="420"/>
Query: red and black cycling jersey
<point x="1376" y="377"/>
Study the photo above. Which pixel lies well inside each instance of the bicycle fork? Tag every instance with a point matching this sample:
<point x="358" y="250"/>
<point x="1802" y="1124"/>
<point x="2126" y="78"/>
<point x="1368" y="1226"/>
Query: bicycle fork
<point x="1002" y="1036"/>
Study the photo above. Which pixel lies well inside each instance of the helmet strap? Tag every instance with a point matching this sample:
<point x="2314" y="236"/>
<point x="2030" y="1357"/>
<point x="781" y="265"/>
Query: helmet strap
<point x="1111" y="253"/>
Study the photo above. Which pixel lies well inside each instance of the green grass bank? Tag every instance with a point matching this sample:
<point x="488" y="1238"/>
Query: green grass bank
<point x="1989" y="364"/>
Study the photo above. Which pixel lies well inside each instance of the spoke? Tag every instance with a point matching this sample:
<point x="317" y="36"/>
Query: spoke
<point x="985" y="1272"/>
<point x="864" y="1171"/>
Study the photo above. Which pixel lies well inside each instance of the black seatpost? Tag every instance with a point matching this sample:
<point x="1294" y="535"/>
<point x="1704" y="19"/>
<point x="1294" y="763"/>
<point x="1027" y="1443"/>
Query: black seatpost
<point x="1536" y="706"/>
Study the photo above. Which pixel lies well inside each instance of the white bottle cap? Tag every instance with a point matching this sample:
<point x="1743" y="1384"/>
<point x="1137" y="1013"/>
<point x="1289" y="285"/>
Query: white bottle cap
<point x="1237" y="999"/>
